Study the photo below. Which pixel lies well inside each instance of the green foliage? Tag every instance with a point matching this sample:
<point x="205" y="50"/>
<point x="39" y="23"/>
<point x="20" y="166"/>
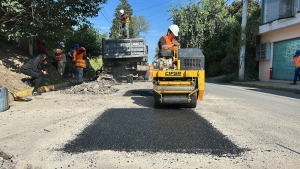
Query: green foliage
<point x="229" y="78"/>
<point x="45" y="19"/>
<point x="215" y="28"/>
<point x="230" y="63"/>
<point x="198" y="21"/>
<point x="96" y="63"/>
<point x="214" y="69"/>
<point x="117" y="23"/>
<point x="88" y="37"/>
<point x="139" y="24"/>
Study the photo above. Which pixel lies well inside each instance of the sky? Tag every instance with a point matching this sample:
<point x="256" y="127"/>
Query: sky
<point x="155" y="12"/>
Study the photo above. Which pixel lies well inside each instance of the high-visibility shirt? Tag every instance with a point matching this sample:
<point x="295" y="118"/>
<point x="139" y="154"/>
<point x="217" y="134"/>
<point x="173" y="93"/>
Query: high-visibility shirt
<point x="297" y="62"/>
<point x="58" y="54"/>
<point x="74" y="54"/>
<point x="125" y="18"/>
<point x="169" y="42"/>
<point x="79" y="61"/>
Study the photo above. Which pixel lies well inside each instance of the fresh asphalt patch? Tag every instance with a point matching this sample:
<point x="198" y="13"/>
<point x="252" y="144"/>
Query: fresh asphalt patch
<point x="153" y="130"/>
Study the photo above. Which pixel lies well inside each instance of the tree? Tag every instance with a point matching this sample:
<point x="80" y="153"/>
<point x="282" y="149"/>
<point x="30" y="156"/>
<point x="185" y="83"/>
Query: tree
<point x="215" y="28"/>
<point x="88" y="37"/>
<point x="230" y="63"/>
<point x="137" y="24"/>
<point x="116" y="23"/>
<point x="48" y="19"/>
<point x="203" y="25"/>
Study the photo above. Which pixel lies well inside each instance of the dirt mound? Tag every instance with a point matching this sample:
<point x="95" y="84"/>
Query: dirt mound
<point x="11" y="60"/>
<point x="102" y="85"/>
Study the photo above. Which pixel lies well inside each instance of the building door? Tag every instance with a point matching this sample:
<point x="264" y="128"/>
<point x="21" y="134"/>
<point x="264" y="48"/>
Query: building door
<point x="283" y="52"/>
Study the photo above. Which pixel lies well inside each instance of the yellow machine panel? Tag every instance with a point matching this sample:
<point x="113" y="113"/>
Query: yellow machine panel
<point x="182" y="83"/>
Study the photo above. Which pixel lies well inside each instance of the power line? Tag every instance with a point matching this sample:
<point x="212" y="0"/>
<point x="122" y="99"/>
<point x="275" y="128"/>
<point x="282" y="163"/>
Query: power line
<point x="105" y="13"/>
<point x="105" y="17"/>
<point x="153" y="6"/>
<point x="225" y="3"/>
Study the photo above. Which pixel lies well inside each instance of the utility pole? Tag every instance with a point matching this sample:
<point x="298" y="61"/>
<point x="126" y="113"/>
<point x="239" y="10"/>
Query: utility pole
<point x="243" y="49"/>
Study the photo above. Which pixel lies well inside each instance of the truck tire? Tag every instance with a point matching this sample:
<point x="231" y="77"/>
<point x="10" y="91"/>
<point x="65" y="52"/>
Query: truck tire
<point x="141" y="77"/>
<point x="146" y="77"/>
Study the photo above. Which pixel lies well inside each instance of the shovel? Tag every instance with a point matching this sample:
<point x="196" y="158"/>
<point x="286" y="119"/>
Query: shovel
<point x="19" y="98"/>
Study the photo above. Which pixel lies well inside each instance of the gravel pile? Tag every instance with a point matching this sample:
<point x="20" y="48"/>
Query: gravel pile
<point x="100" y="85"/>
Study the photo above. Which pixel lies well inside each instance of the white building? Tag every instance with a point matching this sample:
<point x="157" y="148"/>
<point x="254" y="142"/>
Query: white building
<point x="279" y="39"/>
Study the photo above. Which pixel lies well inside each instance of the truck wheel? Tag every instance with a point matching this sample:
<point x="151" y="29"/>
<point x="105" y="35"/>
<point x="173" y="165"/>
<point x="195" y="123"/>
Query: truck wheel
<point x="147" y="75"/>
<point x="141" y="78"/>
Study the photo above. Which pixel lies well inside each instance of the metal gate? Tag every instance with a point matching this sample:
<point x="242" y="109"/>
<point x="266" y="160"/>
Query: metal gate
<point x="283" y="52"/>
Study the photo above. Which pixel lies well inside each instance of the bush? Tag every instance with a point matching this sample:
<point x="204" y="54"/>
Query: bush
<point x="229" y="78"/>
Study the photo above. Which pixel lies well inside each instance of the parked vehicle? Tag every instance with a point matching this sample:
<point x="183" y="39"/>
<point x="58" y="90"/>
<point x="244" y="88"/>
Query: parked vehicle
<point x="180" y="83"/>
<point x="125" y="58"/>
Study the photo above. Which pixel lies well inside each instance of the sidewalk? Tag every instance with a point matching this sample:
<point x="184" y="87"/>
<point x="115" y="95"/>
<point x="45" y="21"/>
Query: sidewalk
<point x="283" y="85"/>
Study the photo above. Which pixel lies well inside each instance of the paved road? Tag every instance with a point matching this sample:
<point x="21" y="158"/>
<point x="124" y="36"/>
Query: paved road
<point x="233" y="127"/>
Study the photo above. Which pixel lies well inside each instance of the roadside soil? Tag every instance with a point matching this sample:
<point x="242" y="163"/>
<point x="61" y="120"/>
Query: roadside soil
<point x="11" y="60"/>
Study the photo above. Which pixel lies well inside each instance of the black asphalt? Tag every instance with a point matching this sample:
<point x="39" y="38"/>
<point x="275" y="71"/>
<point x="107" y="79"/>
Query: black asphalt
<point x="152" y="130"/>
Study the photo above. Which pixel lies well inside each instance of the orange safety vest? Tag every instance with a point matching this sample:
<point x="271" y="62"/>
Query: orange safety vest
<point x="58" y="54"/>
<point x="169" y="42"/>
<point x="79" y="61"/>
<point x="125" y="18"/>
<point x="297" y="62"/>
<point x="74" y="54"/>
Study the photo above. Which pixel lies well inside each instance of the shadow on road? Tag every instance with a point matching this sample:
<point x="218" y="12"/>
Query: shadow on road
<point x="152" y="130"/>
<point x="141" y="97"/>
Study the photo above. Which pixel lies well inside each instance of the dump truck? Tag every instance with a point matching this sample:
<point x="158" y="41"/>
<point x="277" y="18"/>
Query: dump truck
<point x="125" y="58"/>
<point x="179" y="77"/>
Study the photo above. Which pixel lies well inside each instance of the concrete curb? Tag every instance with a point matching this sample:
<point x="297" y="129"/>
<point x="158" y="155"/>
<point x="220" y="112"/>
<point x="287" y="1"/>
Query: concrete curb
<point x="267" y="87"/>
<point x="42" y="89"/>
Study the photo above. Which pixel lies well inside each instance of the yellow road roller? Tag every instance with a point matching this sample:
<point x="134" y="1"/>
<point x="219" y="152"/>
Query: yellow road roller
<point x="179" y="77"/>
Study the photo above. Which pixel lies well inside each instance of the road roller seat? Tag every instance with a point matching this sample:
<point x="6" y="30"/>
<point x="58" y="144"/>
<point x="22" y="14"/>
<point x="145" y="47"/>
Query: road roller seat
<point x="165" y="53"/>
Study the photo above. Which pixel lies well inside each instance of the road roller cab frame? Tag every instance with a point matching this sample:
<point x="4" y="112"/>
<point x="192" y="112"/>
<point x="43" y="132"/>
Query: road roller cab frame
<point x="179" y="77"/>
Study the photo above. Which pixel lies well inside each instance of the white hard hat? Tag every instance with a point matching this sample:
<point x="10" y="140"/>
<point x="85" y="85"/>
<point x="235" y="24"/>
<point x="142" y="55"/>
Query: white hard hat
<point x="121" y="11"/>
<point x="174" y="29"/>
<point x="62" y="44"/>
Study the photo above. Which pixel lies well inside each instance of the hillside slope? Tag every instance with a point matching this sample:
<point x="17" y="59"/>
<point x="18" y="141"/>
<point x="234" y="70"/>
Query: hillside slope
<point x="11" y="59"/>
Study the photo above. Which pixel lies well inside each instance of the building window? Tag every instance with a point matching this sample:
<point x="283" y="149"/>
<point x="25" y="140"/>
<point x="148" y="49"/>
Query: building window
<point x="278" y="9"/>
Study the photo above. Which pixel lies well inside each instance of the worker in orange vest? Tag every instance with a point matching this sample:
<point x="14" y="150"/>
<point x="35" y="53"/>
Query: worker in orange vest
<point x="297" y="66"/>
<point x="80" y="63"/>
<point x="125" y="23"/>
<point x="60" y="58"/>
<point x="168" y="41"/>
<point x="72" y="55"/>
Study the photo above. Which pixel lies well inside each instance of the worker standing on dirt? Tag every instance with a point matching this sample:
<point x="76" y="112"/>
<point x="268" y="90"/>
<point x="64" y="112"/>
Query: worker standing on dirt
<point x="168" y="42"/>
<point x="73" y="54"/>
<point x="80" y="63"/>
<point x="60" y="58"/>
<point x="33" y="68"/>
<point x="125" y="23"/>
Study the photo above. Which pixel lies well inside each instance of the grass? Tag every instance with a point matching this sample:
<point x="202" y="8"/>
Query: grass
<point x="96" y="63"/>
